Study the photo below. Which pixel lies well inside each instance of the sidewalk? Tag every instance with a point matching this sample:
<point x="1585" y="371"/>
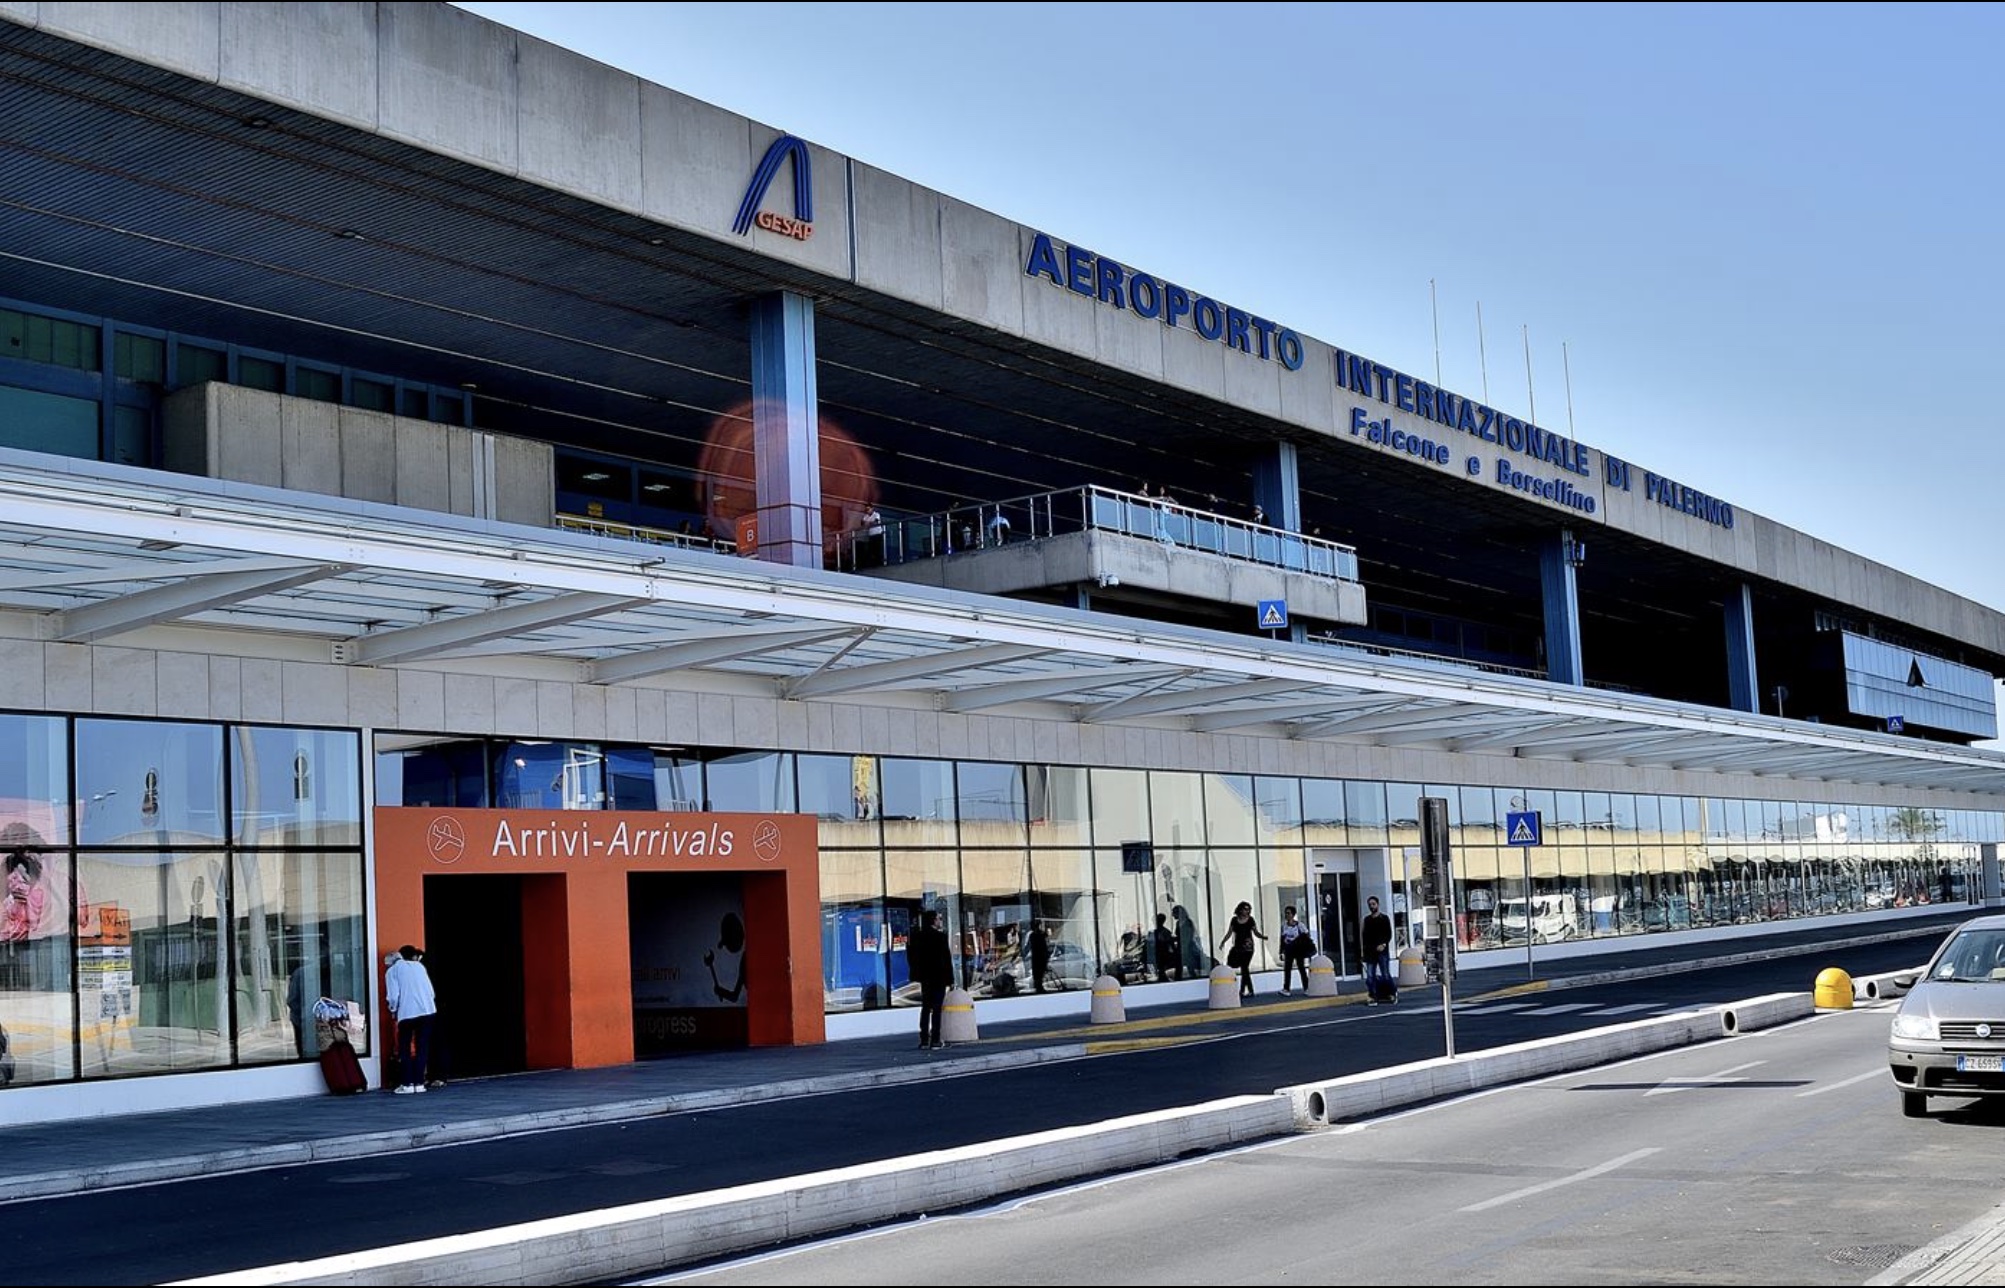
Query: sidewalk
<point x="39" y="1160"/>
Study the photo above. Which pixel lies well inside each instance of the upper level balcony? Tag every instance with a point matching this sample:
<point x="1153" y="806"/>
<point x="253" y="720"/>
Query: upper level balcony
<point x="1115" y="546"/>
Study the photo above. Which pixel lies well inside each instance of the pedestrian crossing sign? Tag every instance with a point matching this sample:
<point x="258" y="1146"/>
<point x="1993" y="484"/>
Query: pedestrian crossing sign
<point x="1523" y="828"/>
<point x="1273" y="614"/>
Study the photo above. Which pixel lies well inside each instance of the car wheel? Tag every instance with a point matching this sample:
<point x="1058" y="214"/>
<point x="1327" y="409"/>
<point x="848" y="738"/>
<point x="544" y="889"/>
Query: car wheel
<point x="1914" y="1104"/>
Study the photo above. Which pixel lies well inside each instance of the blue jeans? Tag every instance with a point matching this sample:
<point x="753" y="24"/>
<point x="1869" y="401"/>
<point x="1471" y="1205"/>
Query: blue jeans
<point x="1378" y="966"/>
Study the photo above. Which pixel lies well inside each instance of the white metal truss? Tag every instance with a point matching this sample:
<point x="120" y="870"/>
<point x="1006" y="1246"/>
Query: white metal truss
<point x="97" y="550"/>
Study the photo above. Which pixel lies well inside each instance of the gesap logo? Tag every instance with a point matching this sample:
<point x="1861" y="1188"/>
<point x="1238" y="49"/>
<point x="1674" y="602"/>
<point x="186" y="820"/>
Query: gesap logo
<point x="802" y="225"/>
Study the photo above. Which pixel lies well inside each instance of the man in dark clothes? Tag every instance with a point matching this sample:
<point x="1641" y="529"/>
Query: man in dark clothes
<point x="932" y="965"/>
<point x="1040" y="955"/>
<point x="1376" y="934"/>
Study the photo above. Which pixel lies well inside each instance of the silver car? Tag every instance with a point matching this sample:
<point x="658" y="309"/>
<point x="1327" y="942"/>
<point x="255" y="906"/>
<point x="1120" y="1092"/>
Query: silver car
<point x="1949" y="1033"/>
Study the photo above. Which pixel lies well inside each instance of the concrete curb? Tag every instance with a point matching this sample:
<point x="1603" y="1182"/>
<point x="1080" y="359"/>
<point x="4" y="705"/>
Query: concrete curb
<point x="646" y="1238"/>
<point x="371" y="1144"/>
<point x="602" y="1246"/>
<point x="1364" y="1095"/>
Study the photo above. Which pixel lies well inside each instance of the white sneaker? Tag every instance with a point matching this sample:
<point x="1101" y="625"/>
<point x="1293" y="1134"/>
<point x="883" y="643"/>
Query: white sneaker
<point x="418" y="1090"/>
<point x="405" y="1089"/>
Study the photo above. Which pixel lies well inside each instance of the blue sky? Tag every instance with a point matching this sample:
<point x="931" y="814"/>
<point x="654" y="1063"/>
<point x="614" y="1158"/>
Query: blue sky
<point x="1761" y="240"/>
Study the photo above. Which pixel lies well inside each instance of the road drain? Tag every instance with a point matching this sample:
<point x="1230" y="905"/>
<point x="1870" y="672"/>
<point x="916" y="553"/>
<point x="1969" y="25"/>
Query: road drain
<point x="1876" y="1255"/>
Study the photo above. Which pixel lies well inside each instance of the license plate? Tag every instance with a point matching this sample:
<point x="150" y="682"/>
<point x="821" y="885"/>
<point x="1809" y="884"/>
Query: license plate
<point x="1980" y="1064"/>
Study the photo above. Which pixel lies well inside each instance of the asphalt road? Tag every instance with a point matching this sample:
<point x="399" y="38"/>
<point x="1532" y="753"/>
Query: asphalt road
<point x="156" y="1233"/>
<point x="1778" y="1157"/>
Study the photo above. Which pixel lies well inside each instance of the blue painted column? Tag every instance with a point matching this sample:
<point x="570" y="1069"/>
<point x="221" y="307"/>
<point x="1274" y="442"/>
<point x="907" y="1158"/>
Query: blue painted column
<point x="1277" y="487"/>
<point x="1557" y="560"/>
<point x="1743" y="684"/>
<point x="786" y="440"/>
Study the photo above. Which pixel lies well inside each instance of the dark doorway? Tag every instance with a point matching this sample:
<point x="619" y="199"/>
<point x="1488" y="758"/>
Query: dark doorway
<point x="473" y="949"/>
<point x="691" y="948"/>
<point x="1338" y="894"/>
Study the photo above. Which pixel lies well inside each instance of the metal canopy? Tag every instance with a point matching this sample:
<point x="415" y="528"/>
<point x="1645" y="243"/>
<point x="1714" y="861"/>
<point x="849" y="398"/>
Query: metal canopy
<point x="101" y="552"/>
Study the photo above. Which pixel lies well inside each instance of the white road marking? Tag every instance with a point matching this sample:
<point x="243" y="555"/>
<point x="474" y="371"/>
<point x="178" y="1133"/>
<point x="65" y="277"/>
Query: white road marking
<point x="1562" y="1008"/>
<point x="1575" y="1179"/>
<point x="1721" y="1078"/>
<point x="1836" y="1086"/>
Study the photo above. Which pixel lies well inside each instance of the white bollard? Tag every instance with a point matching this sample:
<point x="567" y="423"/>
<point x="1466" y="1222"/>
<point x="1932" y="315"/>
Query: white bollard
<point x="1108" y="1007"/>
<point x="1224" y="988"/>
<point x="1412" y="968"/>
<point x="957" y="1017"/>
<point x="1322" y="977"/>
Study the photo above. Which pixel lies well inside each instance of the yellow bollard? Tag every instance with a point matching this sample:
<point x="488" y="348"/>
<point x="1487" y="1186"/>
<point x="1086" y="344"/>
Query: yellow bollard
<point x="1224" y="988"/>
<point x="957" y="1018"/>
<point x="1834" y="990"/>
<point x="1107" y="1006"/>
<point x="1322" y="977"/>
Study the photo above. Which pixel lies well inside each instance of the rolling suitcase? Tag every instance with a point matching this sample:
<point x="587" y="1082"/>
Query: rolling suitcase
<point x="341" y="1069"/>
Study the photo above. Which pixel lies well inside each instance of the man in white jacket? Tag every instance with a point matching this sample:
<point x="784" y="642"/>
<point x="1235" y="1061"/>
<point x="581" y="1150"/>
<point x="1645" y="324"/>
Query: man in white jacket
<point x="407" y="991"/>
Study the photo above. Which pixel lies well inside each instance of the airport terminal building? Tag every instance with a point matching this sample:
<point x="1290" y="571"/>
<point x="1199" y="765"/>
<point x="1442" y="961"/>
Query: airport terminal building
<point x="460" y="494"/>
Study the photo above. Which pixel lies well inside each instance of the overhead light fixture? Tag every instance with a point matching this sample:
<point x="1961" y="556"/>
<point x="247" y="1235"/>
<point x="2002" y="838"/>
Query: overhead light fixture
<point x="596" y="476"/>
<point x="258" y="122"/>
<point x="657" y="241"/>
<point x="158" y="545"/>
<point x="655" y="487"/>
<point x="468" y="385"/>
<point x="349" y="234"/>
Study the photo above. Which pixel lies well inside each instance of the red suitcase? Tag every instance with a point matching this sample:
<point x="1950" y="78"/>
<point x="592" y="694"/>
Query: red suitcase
<point x="341" y="1069"/>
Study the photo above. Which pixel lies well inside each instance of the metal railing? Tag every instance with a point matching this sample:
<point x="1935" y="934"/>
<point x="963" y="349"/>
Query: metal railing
<point x="993" y="524"/>
<point x="1453" y="660"/>
<point x="639" y="532"/>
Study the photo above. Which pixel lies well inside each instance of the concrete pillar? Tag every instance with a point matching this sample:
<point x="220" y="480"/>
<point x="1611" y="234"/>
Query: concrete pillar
<point x="1277" y="487"/>
<point x="1558" y="558"/>
<point x="1743" y="685"/>
<point x="786" y="441"/>
<point x="1987" y="874"/>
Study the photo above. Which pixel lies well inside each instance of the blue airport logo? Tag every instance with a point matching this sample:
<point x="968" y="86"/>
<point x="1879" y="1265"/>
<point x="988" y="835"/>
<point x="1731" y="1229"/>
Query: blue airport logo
<point x="802" y="225"/>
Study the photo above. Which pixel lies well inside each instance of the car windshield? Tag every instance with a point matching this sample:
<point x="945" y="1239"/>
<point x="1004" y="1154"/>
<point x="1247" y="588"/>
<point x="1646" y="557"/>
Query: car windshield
<point x="1972" y="955"/>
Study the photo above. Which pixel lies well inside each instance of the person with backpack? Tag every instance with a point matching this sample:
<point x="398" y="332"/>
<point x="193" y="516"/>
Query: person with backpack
<point x="407" y="991"/>
<point x="1296" y="949"/>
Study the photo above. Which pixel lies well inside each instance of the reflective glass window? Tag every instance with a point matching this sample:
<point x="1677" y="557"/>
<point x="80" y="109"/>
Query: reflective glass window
<point x="915" y="880"/>
<point x="1058" y="804"/>
<point x="41" y="923"/>
<point x="1278" y="810"/>
<point x="1364" y="808"/>
<point x="1120" y="806"/>
<point x="1176" y="808"/>
<point x="448" y="774"/>
<point x="854" y="943"/>
<point x="1323" y="812"/>
<point x="162" y="1002"/>
<point x="840" y="791"/>
<point x="918" y="802"/>
<point x="301" y="934"/>
<point x="753" y="782"/>
<point x="296" y="787"/>
<point x="997" y="901"/>
<point x="34" y="781"/>
<point x="149" y="782"/>
<point x="1228" y="809"/>
<point x="991" y="803"/>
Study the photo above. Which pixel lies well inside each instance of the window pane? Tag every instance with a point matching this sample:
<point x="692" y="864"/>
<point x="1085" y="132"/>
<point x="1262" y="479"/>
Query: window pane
<point x="37" y="930"/>
<point x="195" y="365"/>
<point x="261" y="373"/>
<point x="996" y="906"/>
<point x="300" y="937"/>
<point x="1064" y="901"/>
<point x="915" y="880"/>
<point x="630" y="777"/>
<point x="1057" y="804"/>
<point x="1364" y="805"/>
<point x="148" y="782"/>
<point x="178" y="1014"/>
<point x="918" y="802"/>
<point x="853" y="940"/>
<point x="320" y="386"/>
<point x="841" y="791"/>
<point x="50" y="341"/>
<point x="1120" y="806"/>
<point x="1228" y="809"/>
<point x="131" y="435"/>
<point x="1176" y="809"/>
<point x="991" y="803"/>
<point x="372" y="395"/>
<point x="140" y="357"/>
<point x="34" y="781"/>
<point x="1323" y="812"/>
<point x="295" y="787"/>
<point x="39" y="422"/>
<point x="445" y="775"/>
<point x="1279" y="805"/>
<point x="755" y="782"/>
<point x="678" y="782"/>
<point x="532" y="774"/>
<point x="415" y="403"/>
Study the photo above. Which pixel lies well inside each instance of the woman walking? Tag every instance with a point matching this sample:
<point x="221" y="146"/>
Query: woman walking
<point x="1242" y="930"/>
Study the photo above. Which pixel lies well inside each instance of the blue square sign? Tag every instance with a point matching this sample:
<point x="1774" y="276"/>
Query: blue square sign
<point x="1273" y="614"/>
<point x="1523" y="828"/>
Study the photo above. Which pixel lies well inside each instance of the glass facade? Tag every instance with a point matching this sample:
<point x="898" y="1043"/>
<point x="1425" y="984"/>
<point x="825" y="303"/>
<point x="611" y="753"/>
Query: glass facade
<point x="1106" y="857"/>
<point x="178" y="894"/>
